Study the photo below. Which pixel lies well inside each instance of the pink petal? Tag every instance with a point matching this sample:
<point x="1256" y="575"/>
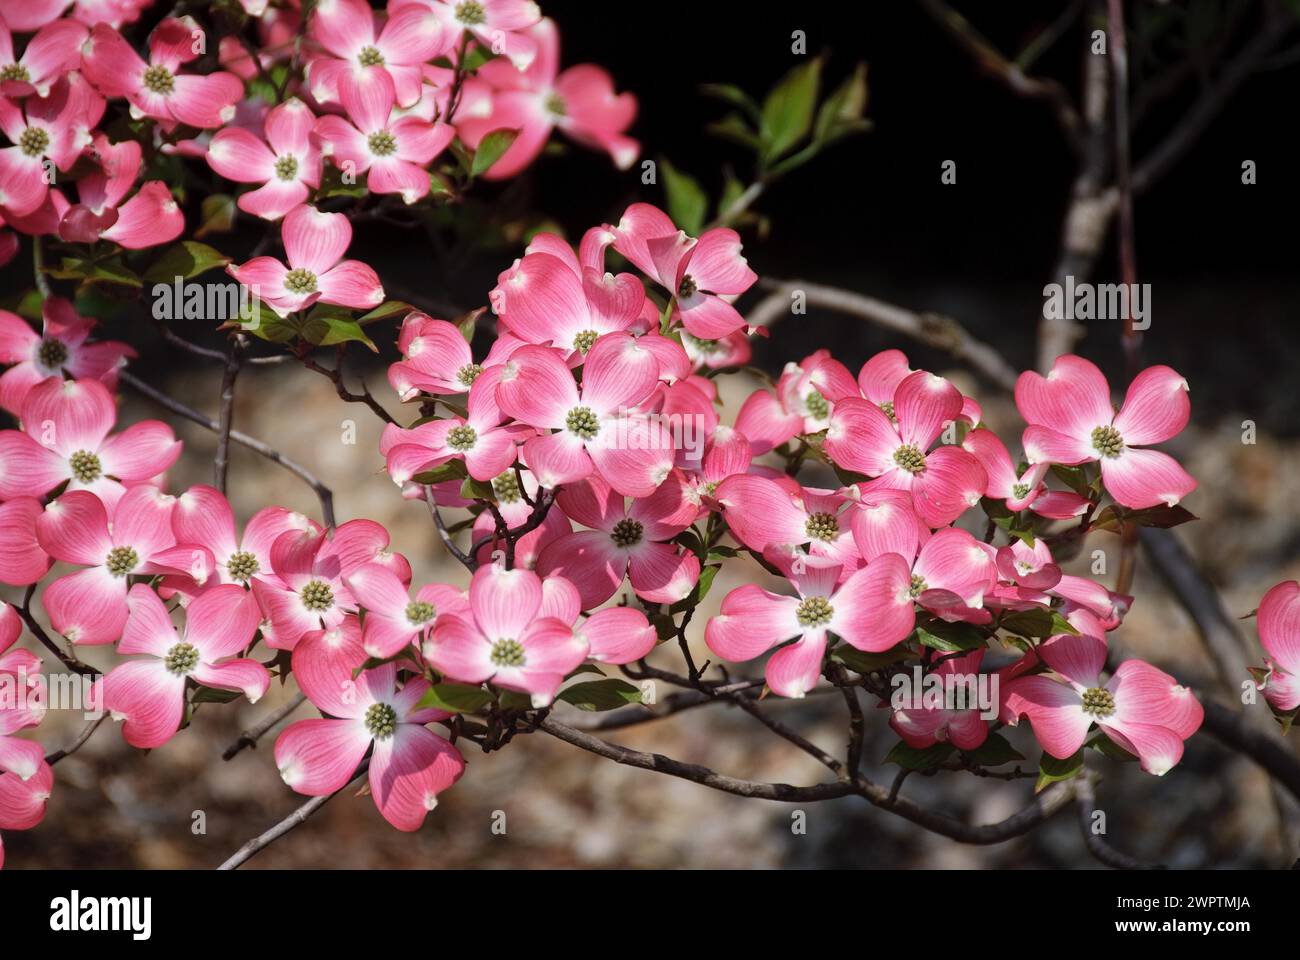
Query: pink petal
<point x="590" y="560"/>
<point x="325" y="663"/>
<point x="1045" y="445"/>
<point x="22" y="559"/>
<point x="238" y="155"/>
<point x="885" y="522"/>
<point x="1055" y="710"/>
<point x="149" y="218"/>
<point x="148" y="624"/>
<point x="141" y="451"/>
<point x="793" y="670"/>
<point x="504" y="601"/>
<point x="288" y="127"/>
<point x="861" y="438"/>
<point x="149" y="697"/>
<point x="74" y="528"/>
<point x="760" y="512"/>
<point x="540" y="298"/>
<point x="633" y="454"/>
<point x="408" y="771"/>
<point x="1074" y="398"/>
<point x="69" y="415"/>
<point x="458" y="650"/>
<point x="923" y="404"/>
<point x="618" y="635"/>
<point x="881" y="375"/>
<point x="537" y="388"/>
<point x="873" y="609"/>
<point x="202" y="515"/>
<point x="1156" y="407"/>
<point x="314" y="240"/>
<point x="717" y="265"/>
<point x="274" y="199"/>
<point x="708" y="317"/>
<point x="1278" y="622"/>
<point x="350" y="284"/>
<point x="1145" y="478"/>
<point x="318" y="757"/>
<point x="247" y="676"/>
<point x="765" y="423"/>
<point x="661" y="573"/>
<point x="28" y="468"/>
<point x="618" y="374"/>
<point x="752" y="621"/>
<point x="1078" y="658"/>
<point x="1158" y="748"/>
<point x="222" y="622"/>
<point x="951" y="482"/>
<point x="395" y="175"/>
<point x="559" y="458"/>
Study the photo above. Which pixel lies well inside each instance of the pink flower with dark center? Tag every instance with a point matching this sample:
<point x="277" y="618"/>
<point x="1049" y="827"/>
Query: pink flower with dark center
<point x="304" y="588"/>
<point x="923" y="726"/>
<point x="506" y="637"/>
<point x="866" y="611"/>
<point x="499" y="25"/>
<point x="202" y="515"/>
<point x="391" y="149"/>
<point x="762" y="512"/>
<point x="158" y="89"/>
<point x="89" y="606"/>
<point x="286" y="168"/>
<point x="437" y="359"/>
<point x="595" y="430"/>
<point x="949" y="576"/>
<point x="65" y="439"/>
<point x="410" y="764"/>
<point x="47" y="133"/>
<point x="943" y="481"/>
<point x="1071" y="421"/>
<point x="62" y="348"/>
<point x="149" y="694"/>
<point x="1279" y="634"/>
<point x="350" y="31"/>
<point x="1019" y="490"/>
<point x="580" y="101"/>
<point x="811" y="389"/>
<point x="480" y="439"/>
<point x="54" y="51"/>
<point x="1141" y="708"/>
<point x="733" y="350"/>
<point x="699" y="274"/>
<point x="625" y="540"/>
<point x="393" y="620"/>
<point x="314" y="244"/>
<point x="881" y="376"/>
<point x="149" y="218"/>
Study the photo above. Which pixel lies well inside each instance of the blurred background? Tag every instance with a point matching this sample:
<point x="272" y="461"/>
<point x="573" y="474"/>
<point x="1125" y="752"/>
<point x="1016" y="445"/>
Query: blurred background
<point x="869" y="215"/>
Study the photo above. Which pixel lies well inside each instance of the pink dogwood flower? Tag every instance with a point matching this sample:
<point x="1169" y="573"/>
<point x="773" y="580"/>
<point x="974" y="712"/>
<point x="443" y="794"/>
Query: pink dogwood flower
<point x="148" y="218"/>
<point x="304" y="589"/>
<point x="47" y="133"/>
<point x="392" y="149"/>
<point x="595" y="431"/>
<point x="503" y="638"/>
<point x="811" y="389"/>
<point x="1279" y="634"/>
<point x="50" y="54"/>
<point x="699" y="274"/>
<point x="314" y="244"/>
<point x="286" y="163"/>
<point x="499" y="25"/>
<point x="867" y="611"/>
<point x="1071" y="421"/>
<point x="158" y="89"/>
<point x="350" y="31"/>
<point x="580" y="101"/>
<point x="437" y="359"/>
<point x="410" y="764"/>
<point x="62" y="347"/>
<point x="625" y="540"/>
<point x="90" y="606"/>
<point x="1141" y="708"/>
<point x="149" y="694"/>
<point x="65" y="439"/>
<point x="762" y="512"/>
<point x="393" y="620"/>
<point x="921" y="725"/>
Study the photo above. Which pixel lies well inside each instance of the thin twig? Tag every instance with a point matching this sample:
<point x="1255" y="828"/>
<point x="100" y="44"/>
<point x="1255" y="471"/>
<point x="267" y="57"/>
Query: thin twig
<point x="258" y="730"/>
<point x="1096" y="845"/>
<point x="466" y="560"/>
<point x="221" y="462"/>
<point x="86" y="733"/>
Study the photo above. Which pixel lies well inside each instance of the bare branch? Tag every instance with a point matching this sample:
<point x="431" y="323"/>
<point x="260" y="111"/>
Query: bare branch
<point x="221" y="462"/>
<point x="1096" y="845"/>
<point x="255" y="733"/>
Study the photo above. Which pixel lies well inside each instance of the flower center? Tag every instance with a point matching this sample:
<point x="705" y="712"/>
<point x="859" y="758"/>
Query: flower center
<point x="817" y="406"/>
<point x="1107" y="441"/>
<point x="317" y="595"/>
<point x="85" y="466"/>
<point x="471" y="13"/>
<point x="556" y="106"/>
<point x="708" y="346"/>
<point x="370" y="57"/>
<point x="814" y="612"/>
<point x="508" y="653"/>
<point x="182" y="658"/>
<point x="52" y="353"/>
<point x="121" y="561"/>
<point x="888" y="408"/>
<point x="582" y="341"/>
<point x="1098" y="701"/>
<point x="918" y="586"/>
<point x="16" y="72"/>
<point x="910" y="458"/>
<point x="242" y="565"/>
<point x="583" y="422"/>
<point x="688" y="288"/>
<point x="469" y="373"/>
<point x="506" y="487"/>
<point x="822" y="526"/>
<point x="627" y="532"/>
<point x="34" y="141"/>
<point x="300" y="281"/>
<point x="420" y="611"/>
<point x="381" y="721"/>
<point x="286" y="167"/>
<point x="1020" y="491"/>
<point x="382" y="143"/>
<point x="159" y="79"/>
<point x="462" y="437"/>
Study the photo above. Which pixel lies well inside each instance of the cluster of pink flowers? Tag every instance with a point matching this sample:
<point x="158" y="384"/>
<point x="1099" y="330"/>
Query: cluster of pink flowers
<point x="377" y="95"/>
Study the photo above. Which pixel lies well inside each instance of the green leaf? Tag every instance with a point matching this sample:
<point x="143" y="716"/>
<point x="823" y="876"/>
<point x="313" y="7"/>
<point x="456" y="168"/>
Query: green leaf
<point x="1037" y="623"/>
<point x="598" y="695"/>
<point x="490" y="149"/>
<point x="514" y="700"/>
<point x="841" y="113"/>
<point x="439" y="185"/>
<point x="216" y="215"/>
<point x="734" y="128"/>
<point x="788" y="109"/>
<point x="732" y="94"/>
<point x="912" y="758"/>
<point x="468" y="322"/>
<point x="860" y="661"/>
<point x="185" y="260"/>
<point x="451" y="470"/>
<point x="1109" y="748"/>
<point x="699" y="591"/>
<point x="108" y="271"/>
<point x="328" y="325"/>
<point x="994" y="752"/>
<point x="1051" y="770"/>
<point x="213" y="695"/>
<point x="688" y="204"/>
<point x="332" y="184"/>
<point x="947" y="637"/>
<point x="454" y="698"/>
<point x="1074" y="478"/>
<point x="385" y="311"/>
<point x="471" y="489"/>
